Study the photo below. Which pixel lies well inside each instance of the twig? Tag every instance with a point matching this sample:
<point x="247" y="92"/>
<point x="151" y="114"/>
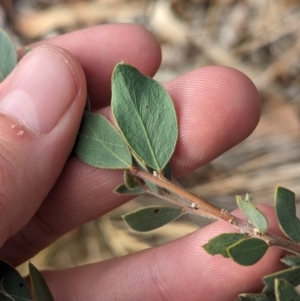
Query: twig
<point x="194" y="204"/>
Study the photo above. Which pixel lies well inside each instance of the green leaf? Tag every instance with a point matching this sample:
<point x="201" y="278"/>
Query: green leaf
<point x="286" y="213"/>
<point x="5" y="297"/>
<point x="167" y="172"/>
<point x="253" y="214"/>
<point x="129" y="181"/>
<point x="292" y="275"/>
<point x="8" y="55"/>
<point x="3" y="293"/>
<point x="99" y="144"/>
<point x="12" y="283"/>
<point x="152" y="186"/>
<point x="150" y="218"/>
<point x="291" y="260"/>
<point x="123" y="189"/>
<point x="284" y="291"/>
<point x="39" y="285"/>
<point x="248" y="251"/>
<point x="220" y="243"/>
<point x="256" y="297"/>
<point x="145" y="115"/>
<point x="142" y="165"/>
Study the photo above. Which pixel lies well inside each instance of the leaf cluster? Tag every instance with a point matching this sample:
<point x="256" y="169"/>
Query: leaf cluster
<point x="142" y="144"/>
<point x="145" y="139"/>
<point x="247" y="250"/>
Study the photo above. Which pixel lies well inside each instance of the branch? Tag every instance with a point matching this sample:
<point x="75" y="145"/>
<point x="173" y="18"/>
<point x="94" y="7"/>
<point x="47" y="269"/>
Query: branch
<point x="194" y="204"/>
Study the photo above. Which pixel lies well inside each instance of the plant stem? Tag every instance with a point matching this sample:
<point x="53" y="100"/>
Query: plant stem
<point x="194" y="204"/>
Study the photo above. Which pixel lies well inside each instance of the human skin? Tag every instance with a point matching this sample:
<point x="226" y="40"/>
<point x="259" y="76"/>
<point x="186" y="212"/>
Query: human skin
<point x="45" y="192"/>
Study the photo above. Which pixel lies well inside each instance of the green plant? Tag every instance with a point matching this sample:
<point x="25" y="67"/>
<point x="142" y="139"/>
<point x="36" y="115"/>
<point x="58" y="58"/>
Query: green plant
<point x="142" y="145"/>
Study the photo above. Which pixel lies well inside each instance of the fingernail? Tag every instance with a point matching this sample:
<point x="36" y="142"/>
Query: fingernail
<point x="39" y="90"/>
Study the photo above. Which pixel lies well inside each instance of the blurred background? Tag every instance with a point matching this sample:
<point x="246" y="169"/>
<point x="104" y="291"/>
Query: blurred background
<point x="258" y="37"/>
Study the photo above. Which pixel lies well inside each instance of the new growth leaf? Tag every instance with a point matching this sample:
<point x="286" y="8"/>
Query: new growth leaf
<point x="254" y="215"/>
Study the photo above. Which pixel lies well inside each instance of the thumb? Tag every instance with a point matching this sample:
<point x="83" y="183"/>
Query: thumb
<point x="41" y="104"/>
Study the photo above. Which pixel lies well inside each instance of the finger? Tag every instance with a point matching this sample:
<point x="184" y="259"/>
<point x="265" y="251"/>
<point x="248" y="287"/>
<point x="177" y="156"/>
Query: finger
<point x="217" y="107"/>
<point x="99" y="49"/>
<point x="180" y="270"/>
<point x="41" y="104"/>
<point x="220" y="105"/>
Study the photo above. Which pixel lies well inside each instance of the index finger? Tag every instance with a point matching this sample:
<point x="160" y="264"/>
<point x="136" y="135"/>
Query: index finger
<point x="180" y="270"/>
<point x="98" y="49"/>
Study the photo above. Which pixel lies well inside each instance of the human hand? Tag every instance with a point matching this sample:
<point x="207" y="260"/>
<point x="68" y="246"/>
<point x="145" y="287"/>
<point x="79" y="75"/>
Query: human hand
<point x="45" y="194"/>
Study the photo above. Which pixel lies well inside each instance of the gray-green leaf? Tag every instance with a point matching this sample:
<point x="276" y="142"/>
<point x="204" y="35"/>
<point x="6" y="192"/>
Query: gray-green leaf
<point x="100" y="145"/>
<point x="248" y="251"/>
<point x="284" y="291"/>
<point x="286" y="213"/>
<point x="167" y="172"/>
<point x="12" y="283"/>
<point x="153" y="217"/>
<point x="145" y="115"/>
<point x="5" y="297"/>
<point x="129" y="181"/>
<point x="123" y="189"/>
<point x="220" y="243"/>
<point x="39" y="285"/>
<point x="291" y="260"/>
<point x="143" y="166"/>
<point x="253" y="214"/>
<point x="256" y="297"/>
<point x="292" y="275"/>
<point x="8" y="55"/>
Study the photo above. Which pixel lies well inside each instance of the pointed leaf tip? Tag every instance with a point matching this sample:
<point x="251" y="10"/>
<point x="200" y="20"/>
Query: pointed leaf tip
<point x="129" y="181"/>
<point x="145" y="115"/>
<point x="291" y="260"/>
<point x="150" y="218"/>
<point x="39" y="285"/>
